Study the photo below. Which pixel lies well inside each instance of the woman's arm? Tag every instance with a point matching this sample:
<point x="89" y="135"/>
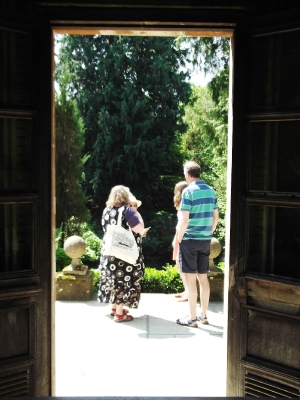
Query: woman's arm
<point x="182" y="224"/>
<point x="138" y="228"/>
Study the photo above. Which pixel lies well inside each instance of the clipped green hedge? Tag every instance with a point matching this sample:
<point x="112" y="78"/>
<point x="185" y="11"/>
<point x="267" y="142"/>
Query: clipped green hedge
<point x="166" y="280"/>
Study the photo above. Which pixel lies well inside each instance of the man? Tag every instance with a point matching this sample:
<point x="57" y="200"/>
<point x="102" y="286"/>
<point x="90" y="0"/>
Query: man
<point x="200" y="217"/>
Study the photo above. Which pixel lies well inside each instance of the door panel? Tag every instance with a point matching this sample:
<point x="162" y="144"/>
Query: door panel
<point x="25" y="206"/>
<point x="16" y="237"/>
<point x="274" y="165"/>
<point x="275" y="70"/>
<point x="16" y="154"/>
<point x="264" y="306"/>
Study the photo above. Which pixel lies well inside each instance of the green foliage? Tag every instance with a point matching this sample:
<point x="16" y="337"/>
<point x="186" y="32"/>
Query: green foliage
<point x="93" y="247"/>
<point x="209" y="54"/>
<point x="198" y="141"/>
<point x="96" y="279"/>
<point x="130" y="92"/>
<point x="132" y="96"/>
<point x="220" y="266"/>
<point x="70" y="198"/>
<point x="166" y="280"/>
<point x="158" y="242"/>
<point x="93" y="244"/>
<point x="162" y="193"/>
<point x="205" y="144"/>
<point x="58" y="238"/>
<point x="62" y="260"/>
<point x="219" y="87"/>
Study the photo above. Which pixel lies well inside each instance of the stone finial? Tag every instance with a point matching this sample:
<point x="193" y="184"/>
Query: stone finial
<point x="75" y="247"/>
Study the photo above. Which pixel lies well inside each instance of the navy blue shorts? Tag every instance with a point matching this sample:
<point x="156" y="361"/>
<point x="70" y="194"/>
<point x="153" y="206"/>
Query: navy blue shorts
<point x="194" y="256"/>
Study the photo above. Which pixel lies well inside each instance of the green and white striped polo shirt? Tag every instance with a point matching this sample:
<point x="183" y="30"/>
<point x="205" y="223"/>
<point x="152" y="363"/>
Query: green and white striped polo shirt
<point x="201" y="201"/>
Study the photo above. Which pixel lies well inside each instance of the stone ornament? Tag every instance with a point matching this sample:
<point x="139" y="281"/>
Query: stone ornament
<point x="75" y="247"/>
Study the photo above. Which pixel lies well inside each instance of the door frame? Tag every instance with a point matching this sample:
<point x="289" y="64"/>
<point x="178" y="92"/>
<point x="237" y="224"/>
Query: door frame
<point x="135" y="30"/>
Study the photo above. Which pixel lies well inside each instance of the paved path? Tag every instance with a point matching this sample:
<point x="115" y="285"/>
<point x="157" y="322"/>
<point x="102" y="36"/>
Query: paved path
<point x="155" y="356"/>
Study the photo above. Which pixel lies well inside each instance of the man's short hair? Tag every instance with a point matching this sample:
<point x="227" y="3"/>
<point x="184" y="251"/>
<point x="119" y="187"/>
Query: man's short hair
<point x="192" y="168"/>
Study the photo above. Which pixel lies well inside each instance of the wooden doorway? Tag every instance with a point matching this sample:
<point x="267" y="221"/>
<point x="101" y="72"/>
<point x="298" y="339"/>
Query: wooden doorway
<point x="264" y="307"/>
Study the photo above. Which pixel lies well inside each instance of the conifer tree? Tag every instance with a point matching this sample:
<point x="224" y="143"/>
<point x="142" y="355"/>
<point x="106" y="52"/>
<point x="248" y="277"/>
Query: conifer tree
<point x="130" y="92"/>
<point x="70" y="198"/>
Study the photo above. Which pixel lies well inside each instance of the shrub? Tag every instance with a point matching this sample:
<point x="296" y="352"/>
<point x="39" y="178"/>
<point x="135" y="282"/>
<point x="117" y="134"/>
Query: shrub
<point x="166" y="280"/>
<point x="62" y="260"/>
<point x="96" y="278"/>
<point x="157" y="245"/>
<point x="220" y="266"/>
<point x="93" y="247"/>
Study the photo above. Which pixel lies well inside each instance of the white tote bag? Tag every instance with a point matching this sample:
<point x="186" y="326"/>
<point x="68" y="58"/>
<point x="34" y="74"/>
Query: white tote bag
<point x="120" y="242"/>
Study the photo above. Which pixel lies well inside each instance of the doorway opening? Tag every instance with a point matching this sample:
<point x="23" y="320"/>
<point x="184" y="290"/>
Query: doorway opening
<point x="154" y="355"/>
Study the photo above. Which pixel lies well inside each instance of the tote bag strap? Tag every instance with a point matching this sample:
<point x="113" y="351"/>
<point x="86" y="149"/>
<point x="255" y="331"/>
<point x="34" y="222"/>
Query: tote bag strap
<point x="120" y="211"/>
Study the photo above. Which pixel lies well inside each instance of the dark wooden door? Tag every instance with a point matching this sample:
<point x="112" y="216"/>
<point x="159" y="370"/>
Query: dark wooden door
<point x="25" y="209"/>
<point x="264" y="284"/>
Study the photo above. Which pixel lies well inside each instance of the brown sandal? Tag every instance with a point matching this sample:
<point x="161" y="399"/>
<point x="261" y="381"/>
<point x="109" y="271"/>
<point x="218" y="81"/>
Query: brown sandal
<point x="123" y="318"/>
<point x="113" y="311"/>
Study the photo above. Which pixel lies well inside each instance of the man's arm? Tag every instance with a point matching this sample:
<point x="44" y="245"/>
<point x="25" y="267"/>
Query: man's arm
<point x="183" y="223"/>
<point x="215" y="220"/>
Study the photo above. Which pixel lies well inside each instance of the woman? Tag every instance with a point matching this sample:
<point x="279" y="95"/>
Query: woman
<point x="119" y="280"/>
<point x="177" y="200"/>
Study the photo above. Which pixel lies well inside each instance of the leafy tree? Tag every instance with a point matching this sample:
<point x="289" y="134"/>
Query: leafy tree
<point x="199" y="139"/>
<point x="70" y="198"/>
<point x="203" y="143"/>
<point x="130" y="92"/>
<point x="211" y="56"/>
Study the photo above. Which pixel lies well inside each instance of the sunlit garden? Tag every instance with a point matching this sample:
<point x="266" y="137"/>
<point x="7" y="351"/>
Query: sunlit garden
<point x="129" y="113"/>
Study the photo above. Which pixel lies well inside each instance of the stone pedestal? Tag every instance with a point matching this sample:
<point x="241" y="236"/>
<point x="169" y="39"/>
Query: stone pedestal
<point x="74" y="287"/>
<point x="216" y="283"/>
<point x="215" y="277"/>
<point x="75" y="282"/>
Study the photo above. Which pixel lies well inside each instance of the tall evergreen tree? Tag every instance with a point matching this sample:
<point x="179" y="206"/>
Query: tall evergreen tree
<point x="70" y="198"/>
<point x="130" y="92"/>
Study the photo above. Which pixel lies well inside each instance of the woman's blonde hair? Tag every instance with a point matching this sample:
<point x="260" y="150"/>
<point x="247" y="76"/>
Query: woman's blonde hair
<point x="178" y="192"/>
<point x="119" y="196"/>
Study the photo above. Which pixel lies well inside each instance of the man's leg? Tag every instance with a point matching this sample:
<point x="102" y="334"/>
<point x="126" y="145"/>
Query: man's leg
<point x="188" y="267"/>
<point x="191" y="280"/>
<point x="204" y="293"/>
